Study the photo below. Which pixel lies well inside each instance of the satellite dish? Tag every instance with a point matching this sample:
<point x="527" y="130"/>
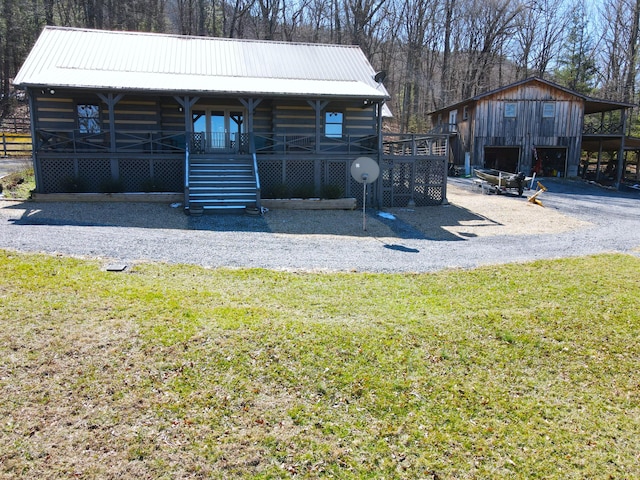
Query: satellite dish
<point x="364" y="170"/>
<point x="380" y="76"/>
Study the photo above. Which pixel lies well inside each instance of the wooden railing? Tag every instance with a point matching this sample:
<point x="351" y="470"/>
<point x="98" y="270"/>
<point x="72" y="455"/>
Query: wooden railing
<point x="414" y="144"/>
<point x="174" y="142"/>
<point x="284" y="143"/>
<point x="126" y="141"/>
<point x="611" y="128"/>
<point x="15" y="145"/>
<point x="15" y="125"/>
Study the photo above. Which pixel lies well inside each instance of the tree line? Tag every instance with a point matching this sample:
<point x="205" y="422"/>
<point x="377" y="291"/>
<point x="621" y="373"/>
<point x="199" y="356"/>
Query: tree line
<point x="436" y="52"/>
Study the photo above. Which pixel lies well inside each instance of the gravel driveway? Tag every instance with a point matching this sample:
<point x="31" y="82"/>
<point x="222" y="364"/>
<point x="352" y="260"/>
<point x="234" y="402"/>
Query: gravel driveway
<point x="473" y="230"/>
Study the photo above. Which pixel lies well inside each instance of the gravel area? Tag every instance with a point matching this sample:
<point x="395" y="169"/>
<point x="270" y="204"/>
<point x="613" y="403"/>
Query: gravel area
<point x="473" y="229"/>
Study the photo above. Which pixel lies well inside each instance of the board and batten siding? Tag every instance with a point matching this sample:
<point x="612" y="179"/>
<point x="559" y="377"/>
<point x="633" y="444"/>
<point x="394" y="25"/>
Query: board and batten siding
<point x="529" y="129"/>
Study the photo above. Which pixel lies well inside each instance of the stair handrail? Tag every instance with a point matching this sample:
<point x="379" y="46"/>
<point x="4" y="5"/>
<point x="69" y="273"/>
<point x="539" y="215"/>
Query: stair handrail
<point x="257" y="178"/>
<point x="186" y="175"/>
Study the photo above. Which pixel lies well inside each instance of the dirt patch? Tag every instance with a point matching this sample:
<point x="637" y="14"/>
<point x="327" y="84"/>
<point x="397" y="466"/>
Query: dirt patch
<point x="471" y="213"/>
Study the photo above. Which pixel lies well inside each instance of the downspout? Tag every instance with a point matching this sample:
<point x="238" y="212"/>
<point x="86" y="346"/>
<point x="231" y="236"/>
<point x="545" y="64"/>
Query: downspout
<point x="188" y="128"/>
<point x="378" y="190"/>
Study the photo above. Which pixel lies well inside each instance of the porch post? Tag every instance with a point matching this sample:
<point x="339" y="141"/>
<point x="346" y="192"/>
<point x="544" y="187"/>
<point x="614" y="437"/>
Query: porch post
<point x="34" y="141"/>
<point x="111" y="102"/>
<point x="186" y="103"/>
<point x="379" y="190"/>
<point x="318" y="106"/>
<point x="620" y="173"/>
<point x="250" y="104"/>
<point x="599" y="161"/>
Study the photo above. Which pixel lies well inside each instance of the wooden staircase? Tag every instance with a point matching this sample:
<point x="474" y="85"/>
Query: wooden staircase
<point x="221" y="185"/>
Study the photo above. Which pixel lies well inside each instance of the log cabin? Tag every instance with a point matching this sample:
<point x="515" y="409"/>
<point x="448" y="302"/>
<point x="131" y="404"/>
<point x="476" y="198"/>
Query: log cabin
<point x="223" y="122"/>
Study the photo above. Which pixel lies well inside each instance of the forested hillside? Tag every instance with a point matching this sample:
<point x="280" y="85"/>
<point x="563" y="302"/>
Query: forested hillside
<point x="435" y="51"/>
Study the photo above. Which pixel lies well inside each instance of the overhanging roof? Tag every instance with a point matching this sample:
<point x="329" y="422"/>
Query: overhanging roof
<point x="133" y="61"/>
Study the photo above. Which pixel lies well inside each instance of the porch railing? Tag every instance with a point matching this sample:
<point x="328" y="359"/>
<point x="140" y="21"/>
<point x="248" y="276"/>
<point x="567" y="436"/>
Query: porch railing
<point x="413" y="144"/>
<point x="74" y="141"/>
<point x="172" y="142"/>
<point x="266" y="143"/>
<point x="603" y="128"/>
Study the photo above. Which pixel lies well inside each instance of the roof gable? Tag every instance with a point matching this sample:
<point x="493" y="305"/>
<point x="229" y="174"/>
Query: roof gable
<point x="82" y="58"/>
<point x="591" y="104"/>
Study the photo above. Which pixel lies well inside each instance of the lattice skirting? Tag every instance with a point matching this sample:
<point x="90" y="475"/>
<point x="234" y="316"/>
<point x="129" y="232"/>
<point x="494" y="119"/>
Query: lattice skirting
<point x="401" y="180"/>
<point x="62" y="175"/>
<point x="292" y="178"/>
<point x="420" y="180"/>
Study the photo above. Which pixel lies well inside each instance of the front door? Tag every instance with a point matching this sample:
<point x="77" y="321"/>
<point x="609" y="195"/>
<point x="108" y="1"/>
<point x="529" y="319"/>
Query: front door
<point x="221" y="130"/>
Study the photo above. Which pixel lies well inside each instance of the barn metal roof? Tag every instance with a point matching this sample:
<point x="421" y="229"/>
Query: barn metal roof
<point x="108" y="60"/>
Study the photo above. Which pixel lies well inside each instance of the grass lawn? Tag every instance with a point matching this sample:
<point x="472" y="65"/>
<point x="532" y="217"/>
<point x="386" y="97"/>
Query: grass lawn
<point x="519" y="371"/>
<point x="18" y="185"/>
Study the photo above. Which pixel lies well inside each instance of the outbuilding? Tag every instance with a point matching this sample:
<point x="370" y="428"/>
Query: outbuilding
<point x="533" y="126"/>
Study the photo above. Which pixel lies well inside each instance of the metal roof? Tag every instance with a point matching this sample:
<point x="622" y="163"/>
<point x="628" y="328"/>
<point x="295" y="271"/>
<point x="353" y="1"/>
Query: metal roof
<point x="108" y="60"/>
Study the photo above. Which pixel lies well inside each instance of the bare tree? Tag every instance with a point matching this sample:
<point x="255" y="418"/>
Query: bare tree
<point x="485" y="26"/>
<point x="420" y="33"/>
<point x="362" y="22"/>
<point x="539" y="36"/>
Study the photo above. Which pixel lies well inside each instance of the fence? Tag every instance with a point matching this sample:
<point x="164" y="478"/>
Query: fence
<point x="15" y="124"/>
<point x="15" y="145"/>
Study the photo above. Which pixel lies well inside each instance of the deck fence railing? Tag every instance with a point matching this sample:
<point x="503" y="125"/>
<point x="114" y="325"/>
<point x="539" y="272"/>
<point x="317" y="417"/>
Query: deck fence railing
<point x="15" y="145"/>
<point x="603" y="128"/>
<point x="171" y="142"/>
<point x="413" y="144"/>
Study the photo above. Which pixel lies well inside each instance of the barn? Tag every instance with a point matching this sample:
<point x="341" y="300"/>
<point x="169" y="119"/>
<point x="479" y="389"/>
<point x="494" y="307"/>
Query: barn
<point x="534" y="126"/>
<point x="224" y="123"/>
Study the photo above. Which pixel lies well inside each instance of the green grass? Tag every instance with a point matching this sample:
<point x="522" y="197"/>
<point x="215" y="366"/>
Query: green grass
<point x="18" y="185"/>
<point x="518" y="371"/>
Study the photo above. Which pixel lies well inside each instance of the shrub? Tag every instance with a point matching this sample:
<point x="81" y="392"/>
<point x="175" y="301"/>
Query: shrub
<point x="277" y="191"/>
<point x="111" y="186"/>
<point x="303" y="191"/>
<point x="74" y="185"/>
<point x="332" y="191"/>
<point x="153" y="185"/>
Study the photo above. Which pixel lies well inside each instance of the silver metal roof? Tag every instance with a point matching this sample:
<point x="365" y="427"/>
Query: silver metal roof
<point x="107" y="60"/>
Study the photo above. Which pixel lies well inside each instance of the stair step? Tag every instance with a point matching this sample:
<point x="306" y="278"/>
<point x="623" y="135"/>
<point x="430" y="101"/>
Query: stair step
<point x="210" y="191"/>
<point x="219" y="184"/>
<point x="248" y="172"/>
<point x="226" y="177"/>
<point x="222" y="195"/>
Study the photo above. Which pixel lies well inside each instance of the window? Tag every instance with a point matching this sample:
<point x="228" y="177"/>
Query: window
<point x="333" y="124"/>
<point x="548" y="110"/>
<point x="510" y="110"/>
<point x="453" y="121"/>
<point x="88" y="118"/>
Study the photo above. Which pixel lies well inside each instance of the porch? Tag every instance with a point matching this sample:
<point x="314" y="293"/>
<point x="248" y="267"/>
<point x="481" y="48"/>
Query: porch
<point x="235" y="172"/>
